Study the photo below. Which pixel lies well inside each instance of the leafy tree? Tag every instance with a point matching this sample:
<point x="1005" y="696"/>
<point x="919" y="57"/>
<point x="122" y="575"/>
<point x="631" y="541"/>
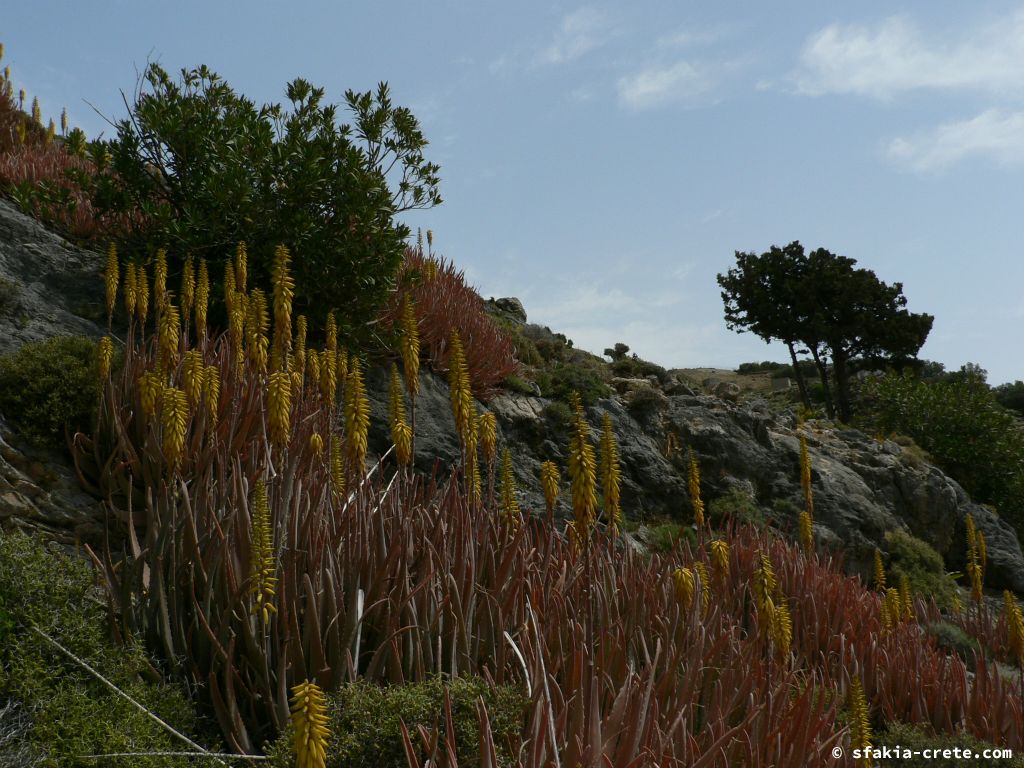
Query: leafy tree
<point x="822" y="302"/>
<point x="198" y="168"/>
<point x="1011" y="396"/>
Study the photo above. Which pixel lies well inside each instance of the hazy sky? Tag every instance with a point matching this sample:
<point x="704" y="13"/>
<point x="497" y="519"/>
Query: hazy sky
<point x="603" y="162"/>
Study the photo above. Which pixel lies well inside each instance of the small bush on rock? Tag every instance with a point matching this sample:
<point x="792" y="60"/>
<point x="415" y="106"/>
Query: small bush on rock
<point x="922" y="565"/>
<point x="48" y="385"/>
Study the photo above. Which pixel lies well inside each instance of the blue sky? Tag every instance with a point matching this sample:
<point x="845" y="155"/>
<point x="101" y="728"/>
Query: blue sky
<point x="603" y="162"/>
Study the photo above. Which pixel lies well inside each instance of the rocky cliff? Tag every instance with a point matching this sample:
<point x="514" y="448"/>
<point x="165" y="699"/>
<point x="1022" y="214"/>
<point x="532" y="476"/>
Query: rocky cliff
<point x="863" y="487"/>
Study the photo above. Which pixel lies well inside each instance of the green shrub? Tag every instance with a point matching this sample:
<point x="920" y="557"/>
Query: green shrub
<point x="563" y="379"/>
<point x="365" y="721"/>
<point x="953" y="639"/>
<point x="71" y="712"/>
<point x="48" y="385"/>
<point x="911" y="739"/>
<point x="557" y="414"/>
<point x="207" y="167"/>
<point x="922" y="565"/>
<point x="646" y="400"/>
<point x="664" y="537"/>
<point x="518" y="385"/>
<point x="10" y="294"/>
<point x="633" y="367"/>
<point x="737" y="506"/>
<point x="960" y="424"/>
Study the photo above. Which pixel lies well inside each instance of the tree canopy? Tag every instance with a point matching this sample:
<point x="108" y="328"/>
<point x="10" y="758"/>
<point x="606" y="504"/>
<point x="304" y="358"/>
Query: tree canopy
<point x="821" y="304"/>
<point x="198" y="168"/>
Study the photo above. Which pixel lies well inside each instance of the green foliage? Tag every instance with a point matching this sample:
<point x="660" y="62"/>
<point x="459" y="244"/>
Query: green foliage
<point x="558" y="414"/>
<point x="664" y="537"/>
<point x="821" y="302"/>
<point x="72" y="713"/>
<point x="206" y="168"/>
<point x="962" y="427"/>
<point x="562" y="379"/>
<point x="518" y="385"/>
<point x="48" y="385"/>
<point x="365" y="721"/>
<point x="9" y="295"/>
<point x="618" y="352"/>
<point x="954" y="640"/>
<point x="765" y="366"/>
<point x="644" y="401"/>
<point x="922" y="565"/>
<point x="915" y="738"/>
<point x="635" y="368"/>
<point x="1011" y="396"/>
<point x="737" y="506"/>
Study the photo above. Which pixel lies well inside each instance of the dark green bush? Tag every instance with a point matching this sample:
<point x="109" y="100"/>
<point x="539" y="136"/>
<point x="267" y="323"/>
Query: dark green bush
<point x="71" y="712"/>
<point x="564" y="379"/>
<point x="207" y="168"/>
<point x="959" y="422"/>
<point x="765" y="366"/>
<point x="365" y="721"/>
<point x="48" y="385"/>
<point x="633" y="367"/>
<point x="646" y="400"/>
<point x="953" y="639"/>
<point x="664" y="537"/>
<point x="737" y="506"/>
<point x="922" y="565"/>
<point x="911" y="738"/>
<point x="558" y="414"/>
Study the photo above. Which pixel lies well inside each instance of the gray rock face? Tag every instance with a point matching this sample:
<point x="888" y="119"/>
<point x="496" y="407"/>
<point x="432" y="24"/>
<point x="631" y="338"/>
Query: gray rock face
<point x="48" y="287"/>
<point x="509" y="307"/>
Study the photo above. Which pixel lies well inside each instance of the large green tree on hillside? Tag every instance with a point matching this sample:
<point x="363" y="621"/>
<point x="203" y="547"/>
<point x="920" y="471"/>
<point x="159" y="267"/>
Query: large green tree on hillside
<point x="836" y="313"/>
<point x="199" y="168"/>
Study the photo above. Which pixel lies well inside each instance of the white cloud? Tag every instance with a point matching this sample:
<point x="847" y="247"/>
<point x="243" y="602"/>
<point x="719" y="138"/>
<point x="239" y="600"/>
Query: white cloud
<point x="994" y="134"/>
<point x="660" y="85"/>
<point x="895" y="56"/>
<point x="580" y="32"/>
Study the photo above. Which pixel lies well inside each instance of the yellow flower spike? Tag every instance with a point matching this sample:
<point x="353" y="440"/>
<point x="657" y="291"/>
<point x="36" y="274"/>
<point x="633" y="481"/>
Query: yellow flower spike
<point x="860" y="723"/>
<point x="410" y="346"/>
<point x="188" y="289"/>
<point x="764" y="582"/>
<point x="51" y="132"/>
<point x="720" y="557"/>
<point x="806" y="531"/>
<point x="6" y="73"/>
<point x="169" y="333"/>
<point x="337" y="466"/>
<point x="357" y="416"/>
<point x="160" y="280"/>
<point x="683" y="581"/>
<point x="886" y="616"/>
<point x="284" y="293"/>
<point x="328" y="375"/>
<point x="459" y="386"/>
<point x="1014" y="627"/>
<point x="313" y="365"/>
<point x="111" y="277"/>
<point x="194" y="376"/>
<point x="310" y="726"/>
<point x="230" y="294"/>
<point x="104" y="357"/>
<point x="241" y="267"/>
<point x="37" y="113"/>
<point x="509" y="504"/>
<point x="906" y="598"/>
<point x="331" y="334"/>
<point x="64" y="122"/>
<point x="982" y="553"/>
<point x="279" y="407"/>
<point x="236" y="328"/>
<point x="175" y="421"/>
<point x="610" y="475"/>
<point x="257" y="323"/>
<point x="977" y="584"/>
<point x="262" y="558"/>
<point x="130" y="294"/>
<point x="211" y="388"/>
<point x="972" y="535"/>
<point x="342" y="366"/>
<point x="429" y="270"/>
<point x="893" y="604"/>
<point x="582" y="471"/>
<point x="202" y="298"/>
<point x="419" y="240"/>
<point x="301" y="327"/>
<point x="549" y="481"/>
<point x="21" y="98"/>
<point x="141" y="293"/>
<point x="20" y="130"/>
<point x="487" y="427"/>
<point x="879" y="571"/>
<point x="694" y="483"/>
<point x="430" y="238"/>
<point x="401" y="434"/>
<point x="316" y="444"/>
<point x="150" y="390"/>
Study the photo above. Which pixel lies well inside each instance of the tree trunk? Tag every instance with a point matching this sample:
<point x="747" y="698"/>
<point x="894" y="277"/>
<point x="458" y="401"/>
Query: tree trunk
<point x="830" y="408"/>
<point x="842" y="384"/>
<point x="799" y="374"/>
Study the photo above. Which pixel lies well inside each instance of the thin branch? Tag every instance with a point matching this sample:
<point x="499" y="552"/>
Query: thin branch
<point x="212" y="755"/>
<point x="122" y="694"/>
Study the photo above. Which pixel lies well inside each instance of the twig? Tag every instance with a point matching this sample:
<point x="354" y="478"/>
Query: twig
<point x="214" y="755"/>
<point x="122" y="694"/>
<point x="547" y="689"/>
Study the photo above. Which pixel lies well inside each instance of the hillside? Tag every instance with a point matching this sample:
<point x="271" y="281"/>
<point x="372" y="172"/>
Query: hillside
<point x="748" y="453"/>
